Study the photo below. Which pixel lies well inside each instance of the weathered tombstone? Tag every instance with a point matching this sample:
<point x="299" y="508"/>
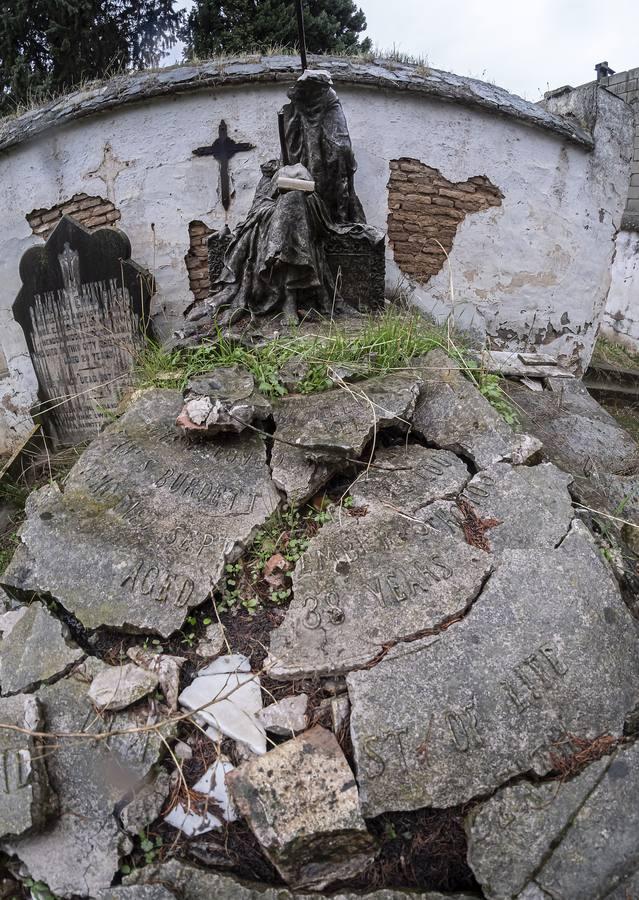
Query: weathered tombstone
<point x="146" y="522"/>
<point x="359" y="268"/>
<point x="84" y="308"/>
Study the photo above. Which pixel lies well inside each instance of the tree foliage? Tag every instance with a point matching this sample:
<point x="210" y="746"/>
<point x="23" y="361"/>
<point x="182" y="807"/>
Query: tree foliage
<point x="47" y="46"/>
<point x="239" y="26"/>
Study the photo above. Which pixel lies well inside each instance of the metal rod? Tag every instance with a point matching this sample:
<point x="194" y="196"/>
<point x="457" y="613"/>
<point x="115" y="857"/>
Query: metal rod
<point x="282" y="132"/>
<point x="300" y="32"/>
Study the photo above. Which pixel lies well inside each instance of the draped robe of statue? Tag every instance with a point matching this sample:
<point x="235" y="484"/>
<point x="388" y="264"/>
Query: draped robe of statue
<point x="276" y="261"/>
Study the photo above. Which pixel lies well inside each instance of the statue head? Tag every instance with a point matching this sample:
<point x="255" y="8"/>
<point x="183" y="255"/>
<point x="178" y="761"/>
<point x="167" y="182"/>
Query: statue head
<point x="311" y="86"/>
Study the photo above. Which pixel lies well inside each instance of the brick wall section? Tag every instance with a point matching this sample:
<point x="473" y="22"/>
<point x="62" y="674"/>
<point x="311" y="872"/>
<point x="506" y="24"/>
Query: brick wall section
<point x="425" y="208"/>
<point x="626" y="86"/>
<point x="92" y="212"/>
<point x="197" y="259"/>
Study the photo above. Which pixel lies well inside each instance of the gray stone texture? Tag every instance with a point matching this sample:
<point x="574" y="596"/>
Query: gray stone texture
<point x="116" y="687"/>
<point x="141" y="86"/>
<point x="78" y="852"/>
<point x="223" y="400"/>
<point x="152" y="517"/>
<point x="453" y="415"/>
<point x="572" y="839"/>
<point x="147" y="803"/>
<point x="190" y="882"/>
<point x="301" y="802"/>
<point x="532" y="504"/>
<point x="408" y="478"/>
<point x="328" y="428"/>
<point x="26" y="799"/>
<point x="548" y="650"/>
<point x="367" y="582"/>
<point x="578" y="434"/>
<point x="36" y="649"/>
<point x="137" y="892"/>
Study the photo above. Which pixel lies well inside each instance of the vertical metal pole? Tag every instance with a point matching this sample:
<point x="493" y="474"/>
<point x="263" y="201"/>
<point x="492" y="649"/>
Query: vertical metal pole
<point x="300" y="32"/>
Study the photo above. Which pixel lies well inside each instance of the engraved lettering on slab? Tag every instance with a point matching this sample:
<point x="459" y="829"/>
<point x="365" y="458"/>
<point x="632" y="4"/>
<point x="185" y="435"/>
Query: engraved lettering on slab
<point x="83" y="307"/>
<point x="15" y="769"/>
<point x="529" y="680"/>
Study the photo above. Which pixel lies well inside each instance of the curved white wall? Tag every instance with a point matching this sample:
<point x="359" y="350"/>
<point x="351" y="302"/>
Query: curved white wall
<point x="534" y="270"/>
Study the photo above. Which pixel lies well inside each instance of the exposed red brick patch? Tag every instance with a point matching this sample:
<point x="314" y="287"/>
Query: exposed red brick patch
<point x="196" y="259"/>
<point x="92" y="212"/>
<point x="426" y="208"/>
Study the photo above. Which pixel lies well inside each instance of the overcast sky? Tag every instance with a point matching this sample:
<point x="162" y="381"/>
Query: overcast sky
<point x="526" y="47"/>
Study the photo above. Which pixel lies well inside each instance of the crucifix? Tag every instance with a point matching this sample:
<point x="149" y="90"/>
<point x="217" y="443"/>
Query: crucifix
<point x="223" y="149"/>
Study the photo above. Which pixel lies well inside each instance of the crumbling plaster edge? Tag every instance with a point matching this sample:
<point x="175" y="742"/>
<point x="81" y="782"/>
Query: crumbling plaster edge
<point x="382" y="74"/>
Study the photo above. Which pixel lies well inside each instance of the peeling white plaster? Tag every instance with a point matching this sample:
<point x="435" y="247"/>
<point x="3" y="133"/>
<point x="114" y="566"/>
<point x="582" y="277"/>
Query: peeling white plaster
<point x="621" y="321"/>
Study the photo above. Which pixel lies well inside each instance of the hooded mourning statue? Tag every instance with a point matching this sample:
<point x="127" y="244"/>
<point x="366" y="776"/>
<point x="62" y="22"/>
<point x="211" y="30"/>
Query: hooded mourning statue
<point x="276" y="261"/>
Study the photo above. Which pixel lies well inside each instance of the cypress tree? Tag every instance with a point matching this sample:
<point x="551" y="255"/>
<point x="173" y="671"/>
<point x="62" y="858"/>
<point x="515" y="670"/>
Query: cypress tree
<point x="47" y="46"/>
<point x="239" y="26"/>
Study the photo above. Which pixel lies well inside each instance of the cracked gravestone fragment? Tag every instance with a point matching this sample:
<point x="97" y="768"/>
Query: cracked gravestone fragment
<point x="137" y="892"/>
<point x="191" y="882"/>
<point x="154" y="518"/>
<point x="415" y="476"/>
<point x="452" y="414"/>
<point x="548" y="650"/>
<point x="368" y="582"/>
<point x="224" y="399"/>
<point x="578" y="434"/>
<point x="332" y="426"/>
<point x="570" y="839"/>
<point x="300" y="800"/>
<point x="116" y="687"/>
<point x="26" y="798"/>
<point x="35" y="649"/>
<point x="78" y="851"/>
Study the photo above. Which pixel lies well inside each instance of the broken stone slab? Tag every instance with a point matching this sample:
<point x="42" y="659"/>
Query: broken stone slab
<point x="366" y="583"/>
<point x="328" y="428"/>
<point x="165" y="667"/>
<point x="227" y="697"/>
<point x="116" y="687"/>
<point x="301" y="802"/>
<point x="511" y="363"/>
<point x="35" y="649"/>
<point x="78" y="853"/>
<point x="571" y="838"/>
<point x="224" y="400"/>
<point x="154" y="518"/>
<point x="26" y="797"/>
<point x="408" y="478"/>
<point x="578" y="434"/>
<point x="286" y="717"/>
<point x="547" y="651"/>
<point x="147" y="803"/>
<point x="200" y="818"/>
<point x="452" y="414"/>
<point x="191" y="882"/>
<point x="530" y="505"/>
<point x="137" y="892"/>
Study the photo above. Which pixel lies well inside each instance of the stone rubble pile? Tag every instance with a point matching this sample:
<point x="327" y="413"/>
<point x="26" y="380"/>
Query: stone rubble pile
<point x="464" y="645"/>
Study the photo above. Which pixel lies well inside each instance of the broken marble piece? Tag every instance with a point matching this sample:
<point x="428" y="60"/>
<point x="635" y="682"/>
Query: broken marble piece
<point x="227" y="697"/>
<point x="117" y="687"/>
<point x="152" y="517"/>
<point x="212" y="643"/>
<point x="147" y="803"/>
<point x="285" y="717"/>
<point x="200" y="818"/>
<point x="26" y="797"/>
<point x="35" y="649"/>
<point x="572" y="838"/>
<point x="166" y="667"/>
<point x="300" y="800"/>
<point x="578" y="434"/>
<point x="191" y="882"/>
<point x="452" y="414"/>
<point x="408" y="478"/>
<point x="78" y="853"/>
<point x="366" y="583"/>
<point x="328" y="428"/>
<point x="548" y="650"/>
<point x="530" y="505"/>
<point x="224" y="400"/>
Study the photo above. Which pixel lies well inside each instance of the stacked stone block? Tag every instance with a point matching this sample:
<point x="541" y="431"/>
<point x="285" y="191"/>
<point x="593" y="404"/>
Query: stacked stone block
<point x="92" y="212"/>
<point x="626" y="86"/>
<point x="425" y="210"/>
<point x="197" y="259"/>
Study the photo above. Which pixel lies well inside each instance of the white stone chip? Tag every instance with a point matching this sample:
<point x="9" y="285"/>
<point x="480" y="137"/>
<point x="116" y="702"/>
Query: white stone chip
<point x="228" y="678"/>
<point x="212" y="784"/>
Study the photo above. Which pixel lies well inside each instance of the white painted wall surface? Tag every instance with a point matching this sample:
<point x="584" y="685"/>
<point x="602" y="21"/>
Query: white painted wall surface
<point x="537" y="265"/>
<point x="621" y="321"/>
